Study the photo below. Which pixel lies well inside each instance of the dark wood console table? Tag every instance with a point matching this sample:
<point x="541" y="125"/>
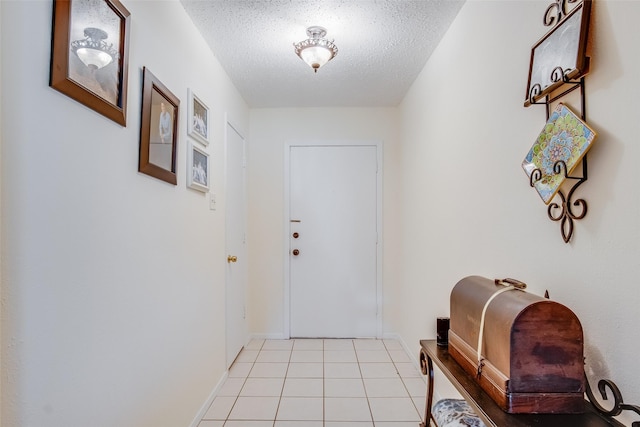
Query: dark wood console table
<point x="485" y="407"/>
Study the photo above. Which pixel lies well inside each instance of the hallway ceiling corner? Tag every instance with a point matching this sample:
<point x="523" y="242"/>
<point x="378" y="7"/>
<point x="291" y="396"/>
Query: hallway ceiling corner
<point x="383" y="46"/>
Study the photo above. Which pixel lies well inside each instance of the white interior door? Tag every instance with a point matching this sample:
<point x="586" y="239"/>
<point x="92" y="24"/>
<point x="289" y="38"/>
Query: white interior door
<point x="236" y="277"/>
<point x="333" y="273"/>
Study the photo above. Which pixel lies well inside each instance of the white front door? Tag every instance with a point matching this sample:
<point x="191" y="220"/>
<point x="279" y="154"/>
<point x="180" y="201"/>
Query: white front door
<point x="236" y="277"/>
<point x="333" y="241"/>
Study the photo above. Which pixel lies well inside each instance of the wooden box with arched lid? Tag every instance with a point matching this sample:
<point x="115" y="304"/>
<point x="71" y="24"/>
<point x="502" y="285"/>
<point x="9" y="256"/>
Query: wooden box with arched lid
<point x="524" y="350"/>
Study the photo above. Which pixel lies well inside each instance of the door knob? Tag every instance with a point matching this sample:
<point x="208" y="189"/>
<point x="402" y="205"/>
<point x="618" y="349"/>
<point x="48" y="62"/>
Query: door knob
<point x="296" y="235"/>
<point x="232" y="258"/>
<point x="296" y="252"/>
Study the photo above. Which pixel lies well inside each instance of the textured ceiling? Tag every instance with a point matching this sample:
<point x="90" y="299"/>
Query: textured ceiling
<point x="383" y="45"/>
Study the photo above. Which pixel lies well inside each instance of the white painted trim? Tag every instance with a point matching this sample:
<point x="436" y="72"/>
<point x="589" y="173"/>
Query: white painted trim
<point x="268" y="337"/>
<point x="414" y="354"/>
<point x="287" y="225"/>
<point x="438" y="374"/>
<point x="286" y="314"/>
<point x="205" y="406"/>
<point x="229" y="124"/>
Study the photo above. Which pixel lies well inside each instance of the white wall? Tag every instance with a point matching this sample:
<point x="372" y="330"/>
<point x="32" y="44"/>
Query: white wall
<point x="113" y="281"/>
<point x="112" y="300"/>
<point x="467" y="205"/>
<point x="270" y="130"/>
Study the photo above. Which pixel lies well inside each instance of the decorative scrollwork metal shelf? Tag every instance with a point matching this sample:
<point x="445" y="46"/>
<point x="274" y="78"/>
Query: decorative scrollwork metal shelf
<point x="565" y="212"/>
<point x="563" y="50"/>
<point x="618" y="404"/>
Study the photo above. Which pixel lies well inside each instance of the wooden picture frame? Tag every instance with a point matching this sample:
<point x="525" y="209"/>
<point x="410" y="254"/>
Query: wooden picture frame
<point x="198" y="171"/>
<point x="198" y="116"/>
<point x="90" y="54"/>
<point x="560" y="55"/>
<point x="158" y="130"/>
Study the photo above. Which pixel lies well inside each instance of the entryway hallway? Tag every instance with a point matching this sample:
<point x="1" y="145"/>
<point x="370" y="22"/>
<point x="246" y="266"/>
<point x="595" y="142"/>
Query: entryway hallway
<point x="320" y="383"/>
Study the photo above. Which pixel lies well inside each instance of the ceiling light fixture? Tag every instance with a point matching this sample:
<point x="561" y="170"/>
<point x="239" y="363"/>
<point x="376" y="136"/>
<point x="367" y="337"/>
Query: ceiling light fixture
<point x="316" y="50"/>
<point x="93" y="51"/>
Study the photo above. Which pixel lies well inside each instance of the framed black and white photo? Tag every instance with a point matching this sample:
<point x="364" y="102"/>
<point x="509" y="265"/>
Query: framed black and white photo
<point x="89" y="55"/>
<point x="198" y="119"/>
<point x="197" y="168"/>
<point x="158" y="130"/>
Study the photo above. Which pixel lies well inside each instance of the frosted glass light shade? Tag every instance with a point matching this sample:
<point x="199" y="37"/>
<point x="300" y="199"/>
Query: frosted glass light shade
<point x="93" y="51"/>
<point x="316" y="56"/>
<point x="94" y="58"/>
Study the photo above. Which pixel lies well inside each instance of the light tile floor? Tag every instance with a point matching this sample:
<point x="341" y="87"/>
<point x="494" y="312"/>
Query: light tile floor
<point x="320" y="383"/>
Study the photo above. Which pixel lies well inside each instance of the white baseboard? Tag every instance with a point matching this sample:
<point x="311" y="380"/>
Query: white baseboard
<point x="415" y="359"/>
<point x="205" y="407"/>
<point x="413" y="353"/>
<point x="267" y="337"/>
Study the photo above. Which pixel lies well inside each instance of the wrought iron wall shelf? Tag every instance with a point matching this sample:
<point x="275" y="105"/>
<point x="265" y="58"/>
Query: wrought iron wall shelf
<point x="565" y="213"/>
<point x="563" y="51"/>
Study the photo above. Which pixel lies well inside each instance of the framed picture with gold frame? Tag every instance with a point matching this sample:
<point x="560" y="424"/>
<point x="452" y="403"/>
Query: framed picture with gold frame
<point x="158" y="129"/>
<point x="89" y="54"/>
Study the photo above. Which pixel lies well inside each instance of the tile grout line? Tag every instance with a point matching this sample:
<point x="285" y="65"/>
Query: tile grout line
<point x="244" y="382"/>
<point x="324" y="416"/>
<point x="404" y="384"/>
<point x="364" y="387"/>
<point x="323" y="349"/>
<point x="284" y="381"/>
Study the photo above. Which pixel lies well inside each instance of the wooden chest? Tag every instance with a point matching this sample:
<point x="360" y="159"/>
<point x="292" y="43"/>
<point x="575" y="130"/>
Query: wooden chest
<point x="532" y="348"/>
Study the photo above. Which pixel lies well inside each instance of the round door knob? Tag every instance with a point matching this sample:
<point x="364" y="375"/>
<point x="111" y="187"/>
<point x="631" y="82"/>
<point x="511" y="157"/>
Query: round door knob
<point x="232" y="258"/>
<point x="296" y="252"/>
<point x="296" y="235"/>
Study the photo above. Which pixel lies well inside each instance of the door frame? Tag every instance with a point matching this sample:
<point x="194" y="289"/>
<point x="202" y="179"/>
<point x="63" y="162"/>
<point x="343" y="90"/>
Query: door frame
<point x="243" y="265"/>
<point x="287" y="224"/>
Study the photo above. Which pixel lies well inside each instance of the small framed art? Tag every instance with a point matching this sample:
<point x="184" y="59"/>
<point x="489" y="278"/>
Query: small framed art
<point x="198" y="119"/>
<point x="89" y="55"/>
<point x="197" y="168"/>
<point x="158" y="130"/>
<point x="561" y="54"/>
